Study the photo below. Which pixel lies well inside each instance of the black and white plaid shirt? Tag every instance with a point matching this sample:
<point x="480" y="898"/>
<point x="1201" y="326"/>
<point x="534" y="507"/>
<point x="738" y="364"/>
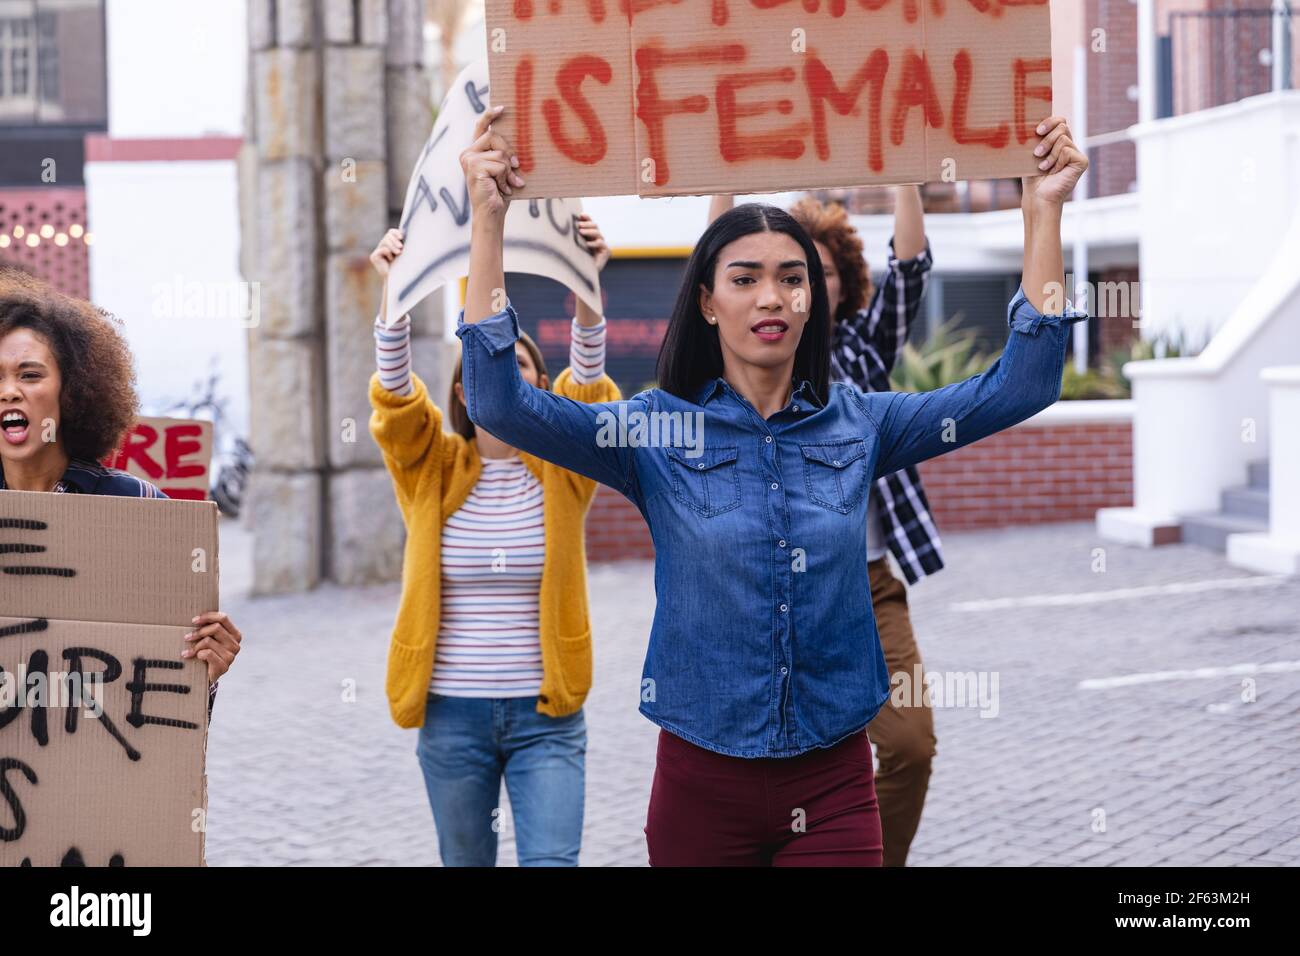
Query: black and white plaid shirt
<point x="863" y="352"/>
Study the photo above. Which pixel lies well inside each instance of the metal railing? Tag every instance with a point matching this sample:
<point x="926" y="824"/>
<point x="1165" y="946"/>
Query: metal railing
<point x="1222" y="56"/>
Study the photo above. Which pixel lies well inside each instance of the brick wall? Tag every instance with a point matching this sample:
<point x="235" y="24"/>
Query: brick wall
<point x="61" y="258"/>
<point x="1116" y="330"/>
<point x="615" y="529"/>
<point x="1233" y="47"/>
<point x="1110" y="74"/>
<point x="83" y="89"/>
<point x="1031" y="474"/>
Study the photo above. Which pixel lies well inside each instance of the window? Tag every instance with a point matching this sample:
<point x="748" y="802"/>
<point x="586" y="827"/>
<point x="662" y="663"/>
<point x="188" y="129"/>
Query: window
<point x="52" y="62"/>
<point x="47" y="57"/>
<point x="20" y="57"/>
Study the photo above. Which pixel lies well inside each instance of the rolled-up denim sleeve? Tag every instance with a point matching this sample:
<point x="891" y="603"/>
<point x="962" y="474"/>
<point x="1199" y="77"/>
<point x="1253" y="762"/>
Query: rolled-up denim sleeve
<point x="1025" y="379"/>
<point x="579" y="436"/>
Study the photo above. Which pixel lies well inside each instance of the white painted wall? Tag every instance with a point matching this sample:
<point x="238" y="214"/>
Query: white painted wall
<point x="176" y="67"/>
<point x="157" y="224"/>
<point x="176" y="70"/>
<point x="1277" y="551"/>
<point x="1218" y="189"/>
<point x="1199" y="421"/>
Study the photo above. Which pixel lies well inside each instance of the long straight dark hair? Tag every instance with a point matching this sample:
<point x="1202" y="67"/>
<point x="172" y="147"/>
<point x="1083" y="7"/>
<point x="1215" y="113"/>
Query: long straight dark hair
<point x="691" y="354"/>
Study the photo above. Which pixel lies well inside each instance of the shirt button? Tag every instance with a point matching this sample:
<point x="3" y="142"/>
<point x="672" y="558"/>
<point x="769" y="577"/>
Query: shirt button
<point x="796" y="408"/>
<point x="784" y="671"/>
<point x="781" y="543"/>
<point x="768" y="439"/>
<point x="701" y="465"/>
<point x="835" y="463"/>
<point x="783" y="608"/>
<point x="775" y="486"/>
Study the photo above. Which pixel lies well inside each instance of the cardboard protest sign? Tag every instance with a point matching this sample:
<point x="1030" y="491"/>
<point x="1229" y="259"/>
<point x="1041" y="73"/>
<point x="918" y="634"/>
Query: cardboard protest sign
<point x="102" y="724"/>
<point x="173" y="453"/>
<point x="739" y="96"/>
<point x="540" y="235"/>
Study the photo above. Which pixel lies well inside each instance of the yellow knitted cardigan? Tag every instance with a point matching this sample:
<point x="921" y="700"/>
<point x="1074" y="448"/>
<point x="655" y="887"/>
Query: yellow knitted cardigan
<point x="433" y="473"/>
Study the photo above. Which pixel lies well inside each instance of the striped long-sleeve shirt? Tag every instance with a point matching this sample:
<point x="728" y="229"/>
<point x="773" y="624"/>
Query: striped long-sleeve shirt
<point x="393" y="353"/>
<point x="493" y="549"/>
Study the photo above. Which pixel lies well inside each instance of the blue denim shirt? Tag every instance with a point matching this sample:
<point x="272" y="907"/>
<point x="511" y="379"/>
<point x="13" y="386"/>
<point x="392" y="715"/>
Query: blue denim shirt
<point x="764" y="643"/>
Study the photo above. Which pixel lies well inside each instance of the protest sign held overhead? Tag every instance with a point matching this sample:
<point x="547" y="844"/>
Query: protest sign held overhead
<point x="671" y="97"/>
<point x="541" y="237"/>
<point x="102" y="724"/>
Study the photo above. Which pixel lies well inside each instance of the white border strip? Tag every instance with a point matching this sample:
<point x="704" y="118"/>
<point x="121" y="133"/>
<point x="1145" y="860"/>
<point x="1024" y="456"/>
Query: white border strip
<point x="1198" y="673"/>
<point x="1121" y="594"/>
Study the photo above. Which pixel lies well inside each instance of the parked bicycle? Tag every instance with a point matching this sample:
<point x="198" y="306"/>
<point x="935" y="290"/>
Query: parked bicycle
<point x="232" y="458"/>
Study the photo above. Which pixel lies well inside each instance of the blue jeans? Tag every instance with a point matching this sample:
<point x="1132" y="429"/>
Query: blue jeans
<point x="467" y="743"/>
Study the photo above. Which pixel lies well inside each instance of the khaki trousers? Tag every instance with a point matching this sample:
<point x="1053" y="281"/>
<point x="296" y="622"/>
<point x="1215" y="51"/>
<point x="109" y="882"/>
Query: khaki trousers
<point x="904" y="736"/>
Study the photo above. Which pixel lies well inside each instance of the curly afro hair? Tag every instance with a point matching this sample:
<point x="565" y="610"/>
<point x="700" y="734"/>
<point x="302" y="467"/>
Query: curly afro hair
<point x="98" y="401"/>
<point x="829" y="224"/>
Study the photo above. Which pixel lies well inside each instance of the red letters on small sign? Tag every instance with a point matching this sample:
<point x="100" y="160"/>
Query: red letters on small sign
<point x="134" y="455"/>
<point x="171" y="453"/>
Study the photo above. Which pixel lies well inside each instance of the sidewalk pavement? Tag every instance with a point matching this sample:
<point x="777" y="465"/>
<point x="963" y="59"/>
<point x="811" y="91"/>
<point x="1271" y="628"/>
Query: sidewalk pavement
<point x="1156" y="762"/>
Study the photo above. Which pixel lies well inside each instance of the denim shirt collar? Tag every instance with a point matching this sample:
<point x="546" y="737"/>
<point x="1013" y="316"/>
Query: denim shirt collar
<point x="804" y="393"/>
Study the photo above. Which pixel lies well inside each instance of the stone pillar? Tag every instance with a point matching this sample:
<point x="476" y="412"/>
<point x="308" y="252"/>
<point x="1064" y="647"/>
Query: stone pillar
<point x="410" y="118"/>
<point x="324" y="176"/>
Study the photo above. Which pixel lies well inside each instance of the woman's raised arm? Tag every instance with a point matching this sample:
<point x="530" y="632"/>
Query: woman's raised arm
<point x="583" y="437"/>
<point x="405" y="422"/>
<point x="580" y="436"/>
<point x="587" y="332"/>
<point x="1026" y="378"/>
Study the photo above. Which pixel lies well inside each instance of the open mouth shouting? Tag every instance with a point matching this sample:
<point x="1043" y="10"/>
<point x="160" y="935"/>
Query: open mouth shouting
<point x="14" y="425"/>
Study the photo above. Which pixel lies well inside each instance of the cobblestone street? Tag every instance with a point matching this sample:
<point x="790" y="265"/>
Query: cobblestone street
<point x="1175" y="765"/>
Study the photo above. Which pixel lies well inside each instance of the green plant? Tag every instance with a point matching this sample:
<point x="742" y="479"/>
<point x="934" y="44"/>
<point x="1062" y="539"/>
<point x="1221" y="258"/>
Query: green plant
<point x="945" y="357"/>
<point x="1092" y="383"/>
<point x="1179" y="345"/>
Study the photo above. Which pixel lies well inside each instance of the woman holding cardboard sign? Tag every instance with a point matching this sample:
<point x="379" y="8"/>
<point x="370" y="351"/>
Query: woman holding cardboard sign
<point x="491" y="652"/>
<point x="764" y="665"/>
<point x="870" y="326"/>
<point x="67" y="396"/>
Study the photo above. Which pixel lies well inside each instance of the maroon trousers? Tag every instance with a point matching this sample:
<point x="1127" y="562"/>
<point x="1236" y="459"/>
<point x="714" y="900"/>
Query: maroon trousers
<point x="817" y="809"/>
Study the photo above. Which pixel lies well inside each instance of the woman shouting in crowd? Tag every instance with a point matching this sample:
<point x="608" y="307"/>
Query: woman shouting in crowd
<point x="66" y="372"/>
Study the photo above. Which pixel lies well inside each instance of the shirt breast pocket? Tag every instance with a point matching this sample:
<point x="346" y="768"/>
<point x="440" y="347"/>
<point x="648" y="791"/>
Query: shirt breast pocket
<point x="836" y="473"/>
<point x="710" y="483"/>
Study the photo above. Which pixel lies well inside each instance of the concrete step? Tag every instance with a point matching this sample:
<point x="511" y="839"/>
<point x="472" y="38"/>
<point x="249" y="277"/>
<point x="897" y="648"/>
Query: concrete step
<point x="1245" y="501"/>
<point x="1210" y="529"/>
<point x="1257" y="474"/>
